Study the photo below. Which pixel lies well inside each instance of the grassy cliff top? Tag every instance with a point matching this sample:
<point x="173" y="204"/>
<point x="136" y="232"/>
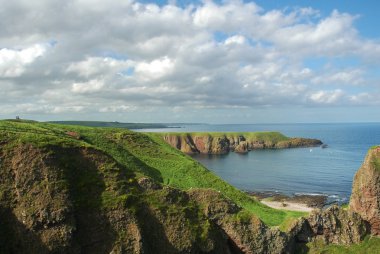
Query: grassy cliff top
<point x="142" y="154"/>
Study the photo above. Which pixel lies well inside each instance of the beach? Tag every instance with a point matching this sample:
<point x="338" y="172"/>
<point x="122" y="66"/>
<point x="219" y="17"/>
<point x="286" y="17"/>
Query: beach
<point x="300" y="203"/>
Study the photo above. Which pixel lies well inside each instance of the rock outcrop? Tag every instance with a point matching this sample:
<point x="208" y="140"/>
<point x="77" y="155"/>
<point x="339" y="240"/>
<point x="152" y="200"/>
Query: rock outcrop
<point x="79" y="200"/>
<point x="331" y="226"/>
<point x="220" y="143"/>
<point x="365" y="197"/>
<point x="245" y="232"/>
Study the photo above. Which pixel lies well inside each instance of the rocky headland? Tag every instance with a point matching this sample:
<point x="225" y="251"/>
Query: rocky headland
<point x="222" y="143"/>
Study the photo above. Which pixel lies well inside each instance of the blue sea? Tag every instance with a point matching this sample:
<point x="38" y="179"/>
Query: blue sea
<point x="328" y="171"/>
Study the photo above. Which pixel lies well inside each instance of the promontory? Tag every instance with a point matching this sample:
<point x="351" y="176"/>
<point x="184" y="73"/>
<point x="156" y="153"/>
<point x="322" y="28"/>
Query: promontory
<point x="222" y="143"/>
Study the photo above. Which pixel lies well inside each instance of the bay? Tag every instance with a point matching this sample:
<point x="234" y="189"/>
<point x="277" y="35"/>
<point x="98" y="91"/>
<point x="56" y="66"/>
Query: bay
<point x="328" y="171"/>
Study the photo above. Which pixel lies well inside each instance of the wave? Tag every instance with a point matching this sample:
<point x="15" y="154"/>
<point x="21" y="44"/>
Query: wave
<point x="309" y="194"/>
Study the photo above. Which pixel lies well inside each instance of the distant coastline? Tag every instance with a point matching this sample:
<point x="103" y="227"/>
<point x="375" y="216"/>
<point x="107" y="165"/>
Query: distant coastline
<point x="132" y="126"/>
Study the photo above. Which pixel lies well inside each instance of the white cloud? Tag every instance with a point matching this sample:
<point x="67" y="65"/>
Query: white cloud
<point x="88" y="87"/>
<point x="13" y="62"/>
<point x="210" y="15"/>
<point x="327" y="97"/>
<point x="344" y="77"/>
<point x="93" y="66"/>
<point x="155" y="69"/>
<point x="122" y="56"/>
<point x="236" y="39"/>
<point x="117" y="108"/>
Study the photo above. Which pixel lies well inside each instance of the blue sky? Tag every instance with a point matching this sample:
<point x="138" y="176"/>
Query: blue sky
<point x="368" y="11"/>
<point x="191" y="61"/>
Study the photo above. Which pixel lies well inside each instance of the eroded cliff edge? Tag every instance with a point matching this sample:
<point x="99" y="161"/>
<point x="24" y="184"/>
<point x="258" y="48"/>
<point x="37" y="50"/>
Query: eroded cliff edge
<point x="222" y="143"/>
<point x="365" y="197"/>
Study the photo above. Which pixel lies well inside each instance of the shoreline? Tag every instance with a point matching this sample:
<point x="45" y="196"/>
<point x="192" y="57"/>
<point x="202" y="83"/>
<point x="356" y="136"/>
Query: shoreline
<point x="290" y="206"/>
<point x="301" y="202"/>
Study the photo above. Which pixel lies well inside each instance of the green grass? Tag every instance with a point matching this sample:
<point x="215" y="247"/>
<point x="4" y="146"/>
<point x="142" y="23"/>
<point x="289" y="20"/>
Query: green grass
<point x="371" y="245"/>
<point x="181" y="171"/>
<point x="145" y="154"/>
<point x="376" y="159"/>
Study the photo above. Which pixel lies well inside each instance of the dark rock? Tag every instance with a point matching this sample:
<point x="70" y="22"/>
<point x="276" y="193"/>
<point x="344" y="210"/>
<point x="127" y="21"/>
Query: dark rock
<point x="332" y="226"/>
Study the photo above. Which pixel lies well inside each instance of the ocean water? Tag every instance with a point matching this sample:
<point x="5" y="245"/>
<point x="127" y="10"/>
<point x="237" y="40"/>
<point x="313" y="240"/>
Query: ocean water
<point x="328" y="171"/>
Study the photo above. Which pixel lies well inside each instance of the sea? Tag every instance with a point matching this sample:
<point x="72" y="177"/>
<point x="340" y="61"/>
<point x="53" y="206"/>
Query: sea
<point x="311" y="171"/>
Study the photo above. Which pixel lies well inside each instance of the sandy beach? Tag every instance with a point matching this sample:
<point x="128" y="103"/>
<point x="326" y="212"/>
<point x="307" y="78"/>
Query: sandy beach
<point x="291" y="206"/>
<point x="300" y="203"/>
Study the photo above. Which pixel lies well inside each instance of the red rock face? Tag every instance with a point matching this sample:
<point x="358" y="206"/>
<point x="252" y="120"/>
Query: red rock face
<point x="222" y="144"/>
<point x="365" y="198"/>
<point x="173" y="140"/>
<point x="202" y="143"/>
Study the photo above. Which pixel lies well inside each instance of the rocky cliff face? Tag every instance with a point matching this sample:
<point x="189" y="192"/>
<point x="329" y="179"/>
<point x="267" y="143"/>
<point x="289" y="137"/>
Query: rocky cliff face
<point x="79" y="200"/>
<point x="365" y="198"/>
<point x="222" y="144"/>
<point x="331" y="226"/>
<point x="245" y="232"/>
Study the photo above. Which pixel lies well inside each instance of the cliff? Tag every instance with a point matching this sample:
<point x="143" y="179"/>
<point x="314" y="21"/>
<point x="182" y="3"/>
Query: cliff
<point x="80" y="200"/>
<point x="70" y="189"/>
<point x="365" y="197"/>
<point x="67" y="189"/>
<point x="222" y="143"/>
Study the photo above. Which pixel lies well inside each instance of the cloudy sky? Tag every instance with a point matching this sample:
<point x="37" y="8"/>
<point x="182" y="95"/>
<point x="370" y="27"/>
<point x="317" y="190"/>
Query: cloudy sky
<point x="190" y="61"/>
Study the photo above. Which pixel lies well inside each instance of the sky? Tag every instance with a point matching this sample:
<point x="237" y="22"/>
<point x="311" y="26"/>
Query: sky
<point x="235" y="61"/>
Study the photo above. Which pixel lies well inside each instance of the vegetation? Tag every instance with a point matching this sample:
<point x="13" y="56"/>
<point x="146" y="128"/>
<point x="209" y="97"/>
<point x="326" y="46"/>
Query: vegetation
<point x="114" y="161"/>
<point x="143" y="154"/>
<point x="369" y="245"/>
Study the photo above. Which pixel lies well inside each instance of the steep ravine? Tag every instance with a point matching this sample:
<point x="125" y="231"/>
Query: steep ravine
<point x="222" y="143"/>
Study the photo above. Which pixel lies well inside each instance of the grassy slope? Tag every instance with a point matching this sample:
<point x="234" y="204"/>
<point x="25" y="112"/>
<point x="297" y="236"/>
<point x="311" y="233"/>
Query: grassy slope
<point x="145" y="154"/>
<point x="371" y="245"/>
<point x="181" y="171"/>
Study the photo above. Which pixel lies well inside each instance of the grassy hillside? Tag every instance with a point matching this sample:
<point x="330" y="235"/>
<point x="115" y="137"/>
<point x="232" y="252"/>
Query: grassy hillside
<point x="144" y="154"/>
<point x="369" y="245"/>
